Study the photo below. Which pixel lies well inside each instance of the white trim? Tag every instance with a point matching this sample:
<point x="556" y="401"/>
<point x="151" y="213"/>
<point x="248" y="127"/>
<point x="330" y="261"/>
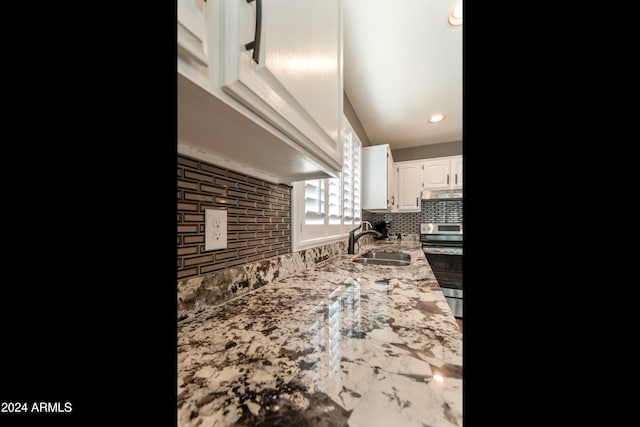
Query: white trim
<point x="320" y="242"/>
<point x="196" y="153"/>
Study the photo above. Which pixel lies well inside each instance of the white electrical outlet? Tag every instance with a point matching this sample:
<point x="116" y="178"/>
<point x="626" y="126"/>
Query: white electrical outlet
<point x="215" y="229"/>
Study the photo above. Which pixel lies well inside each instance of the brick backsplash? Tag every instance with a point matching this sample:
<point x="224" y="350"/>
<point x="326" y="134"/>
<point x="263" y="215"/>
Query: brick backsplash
<point x="409" y="222"/>
<point x="258" y="217"/>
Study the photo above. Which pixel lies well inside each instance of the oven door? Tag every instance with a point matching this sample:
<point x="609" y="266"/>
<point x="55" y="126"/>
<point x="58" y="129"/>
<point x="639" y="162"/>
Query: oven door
<point x="446" y="264"/>
<point x="447" y="269"/>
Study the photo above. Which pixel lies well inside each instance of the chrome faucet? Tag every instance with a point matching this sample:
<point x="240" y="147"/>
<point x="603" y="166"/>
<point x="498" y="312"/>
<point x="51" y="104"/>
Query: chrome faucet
<point x="367" y="228"/>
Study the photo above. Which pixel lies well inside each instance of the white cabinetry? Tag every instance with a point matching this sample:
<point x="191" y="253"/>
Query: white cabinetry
<point x="440" y="174"/>
<point x="443" y="173"/>
<point x="378" y="179"/>
<point x="260" y="84"/>
<point x="410" y="179"/>
<point x="456" y="168"/>
<point x="193" y="55"/>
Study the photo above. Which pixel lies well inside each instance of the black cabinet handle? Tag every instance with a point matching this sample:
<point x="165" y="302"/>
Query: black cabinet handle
<point x="255" y="44"/>
<point x="447" y="179"/>
<point x="416" y="202"/>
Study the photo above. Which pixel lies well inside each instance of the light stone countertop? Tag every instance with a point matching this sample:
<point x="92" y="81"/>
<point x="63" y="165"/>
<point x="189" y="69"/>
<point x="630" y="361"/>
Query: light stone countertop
<point x="340" y="344"/>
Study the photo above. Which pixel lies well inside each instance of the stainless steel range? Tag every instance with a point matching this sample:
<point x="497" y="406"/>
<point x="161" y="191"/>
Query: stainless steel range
<point x="442" y="245"/>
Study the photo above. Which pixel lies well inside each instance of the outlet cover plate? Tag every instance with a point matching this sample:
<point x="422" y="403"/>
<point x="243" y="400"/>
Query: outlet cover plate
<point x="215" y="229"/>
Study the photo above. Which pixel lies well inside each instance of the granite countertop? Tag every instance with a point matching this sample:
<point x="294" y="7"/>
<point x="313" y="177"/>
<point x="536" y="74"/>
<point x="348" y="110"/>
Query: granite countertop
<point x="340" y="344"/>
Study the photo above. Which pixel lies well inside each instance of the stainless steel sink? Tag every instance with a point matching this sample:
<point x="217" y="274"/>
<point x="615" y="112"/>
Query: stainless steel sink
<point x="398" y="259"/>
<point x="402" y="256"/>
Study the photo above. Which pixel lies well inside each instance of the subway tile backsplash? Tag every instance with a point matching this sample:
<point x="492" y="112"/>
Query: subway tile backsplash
<point x="258" y="217"/>
<point x="259" y="233"/>
<point x="409" y="222"/>
<point x="258" y="229"/>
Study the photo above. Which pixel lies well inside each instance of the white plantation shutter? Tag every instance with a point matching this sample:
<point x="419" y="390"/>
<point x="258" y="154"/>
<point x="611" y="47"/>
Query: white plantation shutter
<point x="327" y="209"/>
<point x="357" y="166"/>
<point x="351" y="173"/>
<point x="334" y="200"/>
<point x="314" y="201"/>
<point x="347" y="174"/>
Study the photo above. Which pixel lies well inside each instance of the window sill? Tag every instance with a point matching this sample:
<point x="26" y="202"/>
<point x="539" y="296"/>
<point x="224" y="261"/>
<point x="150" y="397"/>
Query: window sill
<point x="308" y="244"/>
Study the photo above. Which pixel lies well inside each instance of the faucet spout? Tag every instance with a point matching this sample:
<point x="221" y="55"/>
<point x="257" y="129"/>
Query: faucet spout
<point x="353" y="238"/>
<point x="366" y="225"/>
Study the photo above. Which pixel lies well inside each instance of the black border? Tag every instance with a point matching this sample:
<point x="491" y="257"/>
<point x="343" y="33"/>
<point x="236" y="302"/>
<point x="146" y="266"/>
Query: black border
<point x="89" y="313"/>
<point x="497" y="212"/>
<point x="527" y="326"/>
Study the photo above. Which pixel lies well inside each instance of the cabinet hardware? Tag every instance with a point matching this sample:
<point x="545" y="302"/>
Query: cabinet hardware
<point x="416" y="202"/>
<point x="255" y="44"/>
<point x="456" y="178"/>
<point x="447" y="179"/>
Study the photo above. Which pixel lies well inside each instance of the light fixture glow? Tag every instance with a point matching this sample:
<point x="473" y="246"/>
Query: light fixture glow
<point x="438" y="378"/>
<point x="455" y="17"/>
<point x="436" y="118"/>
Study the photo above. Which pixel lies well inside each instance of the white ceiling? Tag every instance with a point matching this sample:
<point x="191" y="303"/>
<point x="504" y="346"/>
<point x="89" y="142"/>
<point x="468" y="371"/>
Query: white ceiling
<point x="403" y="63"/>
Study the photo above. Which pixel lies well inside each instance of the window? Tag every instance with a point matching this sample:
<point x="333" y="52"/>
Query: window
<point x="351" y="180"/>
<point x="325" y="210"/>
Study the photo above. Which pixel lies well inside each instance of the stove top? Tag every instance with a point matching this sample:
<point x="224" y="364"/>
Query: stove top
<point x="442" y="238"/>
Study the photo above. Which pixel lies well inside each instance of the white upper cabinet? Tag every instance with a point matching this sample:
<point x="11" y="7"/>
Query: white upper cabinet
<point x="378" y="179"/>
<point x="410" y="181"/>
<point x="443" y="173"/>
<point x="276" y="65"/>
<point x="437" y="174"/>
<point x="292" y="73"/>
<point x="193" y="55"/>
<point x="456" y="168"/>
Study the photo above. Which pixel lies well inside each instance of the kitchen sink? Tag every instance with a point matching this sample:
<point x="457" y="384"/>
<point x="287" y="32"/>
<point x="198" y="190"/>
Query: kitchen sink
<point x="397" y="259"/>
<point x="402" y="256"/>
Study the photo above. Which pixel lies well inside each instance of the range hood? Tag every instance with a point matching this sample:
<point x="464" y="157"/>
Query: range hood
<point x="442" y="194"/>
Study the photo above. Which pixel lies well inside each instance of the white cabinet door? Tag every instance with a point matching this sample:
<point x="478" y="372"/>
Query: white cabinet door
<point x="378" y="181"/>
<point x="443" y="173"/>
<point x="437" y="173"/>
<point x="392" y="183"/>
<point x="292" y="75"/>
<point x="409" y="186"/>
<point x="456" y="168"/>
<point x="279" y="119"/>
<point x="192" y="32"/>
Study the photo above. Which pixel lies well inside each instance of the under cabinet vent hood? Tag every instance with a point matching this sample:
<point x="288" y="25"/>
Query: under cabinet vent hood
<point x="442" y="194"/>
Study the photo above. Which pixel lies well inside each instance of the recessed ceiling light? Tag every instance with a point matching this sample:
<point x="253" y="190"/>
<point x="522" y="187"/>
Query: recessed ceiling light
<point x="455" y="17"/>
<point x="436" y="118"/>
